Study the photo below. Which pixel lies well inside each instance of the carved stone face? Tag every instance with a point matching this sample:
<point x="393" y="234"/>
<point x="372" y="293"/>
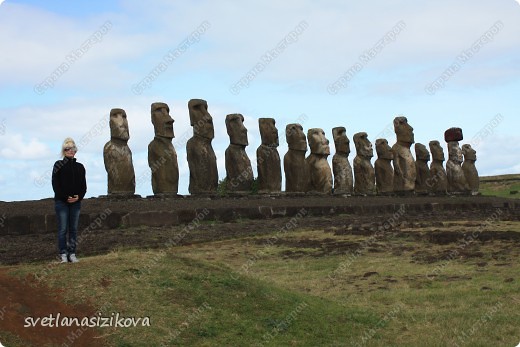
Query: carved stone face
<point x="295" y="137"/>
<point x="403" y="130"/>
<point x="363" y="145"/>
<point x="383" y="150"/>
<point x="236" y="130"/>
<point x="318" y="142"/>
<point x="421" y="153"/>
<point x="161" y="120"/>
<point x="119" y="124"/>
<point x="268" y="132"/>
<point x="341" y="141"/>
<point x="454" y="152"/>
<point x="437" y="151"/>
<point x="200" y="119"/>
<point x="469" y="152"/>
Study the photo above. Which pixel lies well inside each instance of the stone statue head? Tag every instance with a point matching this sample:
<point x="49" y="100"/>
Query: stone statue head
<point x="341" y="141"/>
<point x="236" y="130"/>
<point x="403" y="130"/>
<point x="318" y="142"/>
<point x="437" y="151"/>
<point x="200" y="119"/>
<point x="469" y="153"/>
<point x="383" y="150"/>
<point x="454" y="152"/>
<point x="161" y="120"/>
<point x="268" y="132"/>
<point x="119" y="124"/>
<point x="363" y="145"/>
<point x="295" y="137"/>
<point x="421" y="153"/>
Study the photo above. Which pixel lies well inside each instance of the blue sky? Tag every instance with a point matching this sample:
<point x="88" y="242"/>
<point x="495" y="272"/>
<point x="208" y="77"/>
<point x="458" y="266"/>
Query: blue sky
<point x="414" y="44"/>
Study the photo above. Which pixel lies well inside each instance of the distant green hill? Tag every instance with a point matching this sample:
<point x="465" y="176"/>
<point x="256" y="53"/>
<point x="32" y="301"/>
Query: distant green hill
<point x="506" y="186"/>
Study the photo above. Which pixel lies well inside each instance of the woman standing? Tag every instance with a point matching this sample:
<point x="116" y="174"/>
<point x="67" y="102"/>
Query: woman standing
<point x="69" y="185"/>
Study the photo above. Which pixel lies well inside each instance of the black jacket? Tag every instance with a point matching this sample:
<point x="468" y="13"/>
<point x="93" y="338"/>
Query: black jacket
<point x="68" y="179"/>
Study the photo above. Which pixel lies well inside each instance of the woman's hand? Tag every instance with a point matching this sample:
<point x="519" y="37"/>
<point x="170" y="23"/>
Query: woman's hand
<point x="72" y="199"/>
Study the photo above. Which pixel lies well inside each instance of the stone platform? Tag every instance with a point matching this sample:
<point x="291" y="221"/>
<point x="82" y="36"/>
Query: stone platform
<point x="35" y="217"/>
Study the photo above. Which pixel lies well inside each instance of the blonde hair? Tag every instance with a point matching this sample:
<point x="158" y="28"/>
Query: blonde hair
<point x="68" y="142"/>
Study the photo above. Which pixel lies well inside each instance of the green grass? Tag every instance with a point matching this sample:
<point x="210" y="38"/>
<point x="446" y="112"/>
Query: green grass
<point x="243" y="293"/>
<point x="500" y="186"/>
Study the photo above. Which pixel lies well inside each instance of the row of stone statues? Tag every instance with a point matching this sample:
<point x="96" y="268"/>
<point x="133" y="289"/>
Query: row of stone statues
<point x="395" y="171"/>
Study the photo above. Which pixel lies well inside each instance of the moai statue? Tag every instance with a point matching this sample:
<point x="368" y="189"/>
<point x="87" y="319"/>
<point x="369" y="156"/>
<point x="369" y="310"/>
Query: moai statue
<point x="364" y="175"/>
<point x="383" y="168"/>
<point x="422" y="157"/>
<point x="267" y="158"/>
<point x="404" y="164"/>
<point x="296" y="171"/>
<point x="162" y="158"/>
<point x="456" y="179"/>
<point x="343" y="176"/>
<point x="238" y="166"/>
<point x="118" y="156"/>
<point x="438" y="182"/>
<point x="470" y="171"/>
<point x="319" y="168"/>
<point x="201" y="157"/>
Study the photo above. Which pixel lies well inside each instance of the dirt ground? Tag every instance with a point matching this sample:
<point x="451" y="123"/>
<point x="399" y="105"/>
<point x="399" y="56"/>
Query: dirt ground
<point x="20" y="299"/>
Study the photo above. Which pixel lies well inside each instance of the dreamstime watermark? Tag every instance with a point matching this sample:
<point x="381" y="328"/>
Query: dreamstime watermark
<point x="366" y="57"/>
<point x="431" y="182"/>
<point x="283" y="325"/>
<point x="464" y="336"/>
<point x="72" y="57"/>
<point x="268" y="57"/>
<point x="271" y="241"/>
<point x="463" y="58"/>
<point x="154" y="166"/>
<point x="486" y="131"/>
<point x="2" y="127"/>
<point x="244" y="176"/>
<point x="172" y="242"/>
<point x="387" y="226"/>
<point x="388" y="130"/>
<point x="463" y="243"/>
<point x="302" y="119"/>
<point x="170" y="57"/>
<point x="114" y="321"/>
<point x="370" y="333"/>
<point x="93" y="132"/>
<point x="3" y="311"/>
<point x="180" y="143"/>
<point x="190" y="319"/>
<point x="3" y="219"/>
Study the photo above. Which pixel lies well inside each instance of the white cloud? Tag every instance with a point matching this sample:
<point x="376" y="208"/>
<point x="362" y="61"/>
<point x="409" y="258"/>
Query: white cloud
<point x="337" y="34"/>
<point x="19" y="147"/>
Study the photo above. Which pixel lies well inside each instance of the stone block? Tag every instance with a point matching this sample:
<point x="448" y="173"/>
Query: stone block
<point x="187" y="216"/>
<point x="225" y="215"/>
<point x="37" y="224"/>
<point x="151" y="218"/>
<point x="453" y="134"/>
<point x="18" y="225"/>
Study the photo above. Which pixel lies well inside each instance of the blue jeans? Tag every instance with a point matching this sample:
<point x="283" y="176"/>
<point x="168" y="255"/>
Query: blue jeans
<point x="68" y="219"/>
